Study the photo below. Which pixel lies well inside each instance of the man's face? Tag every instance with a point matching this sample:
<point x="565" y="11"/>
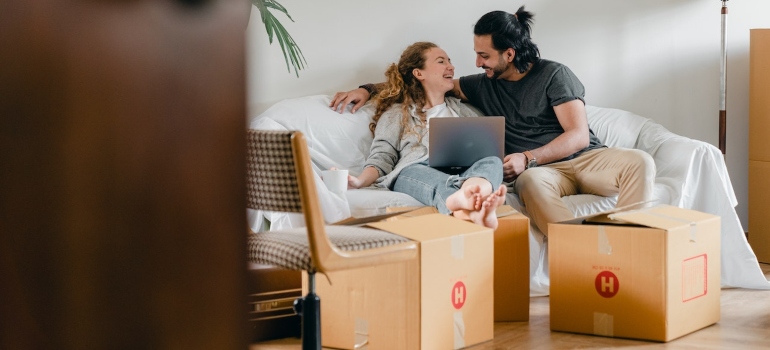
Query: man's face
<point x="493" y="62"/>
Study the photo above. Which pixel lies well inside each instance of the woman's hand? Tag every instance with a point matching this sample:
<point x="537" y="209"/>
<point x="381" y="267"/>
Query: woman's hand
<point x="367" y="177"/>
<point x="354" y="182"/>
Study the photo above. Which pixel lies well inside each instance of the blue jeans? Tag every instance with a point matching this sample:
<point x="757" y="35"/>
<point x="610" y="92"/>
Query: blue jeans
<point x="432" y="187"/>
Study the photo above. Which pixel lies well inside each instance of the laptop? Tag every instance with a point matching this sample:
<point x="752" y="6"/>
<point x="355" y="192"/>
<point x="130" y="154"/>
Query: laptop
<point x="454" y="144"/>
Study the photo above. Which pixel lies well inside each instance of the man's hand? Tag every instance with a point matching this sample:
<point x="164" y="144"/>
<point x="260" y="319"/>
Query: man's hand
<point x="340" y="100"/>
<point x="513" y="165"/>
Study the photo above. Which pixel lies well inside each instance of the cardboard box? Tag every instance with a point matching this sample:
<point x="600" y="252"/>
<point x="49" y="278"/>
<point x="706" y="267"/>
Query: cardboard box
<point x="511" y="239"/>
<point x="651" y="274"/>
<point x="759" y="206"/>
<point x="759" y="88"/>
<point x="511" y="266"/>
<point x="511" y="261"/>
<point x="759" y="143"/>
<point x="442" y="300"/>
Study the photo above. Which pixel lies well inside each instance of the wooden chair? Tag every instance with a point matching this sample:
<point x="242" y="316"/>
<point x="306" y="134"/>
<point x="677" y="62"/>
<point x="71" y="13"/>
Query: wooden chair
<point x="280" y="178"/>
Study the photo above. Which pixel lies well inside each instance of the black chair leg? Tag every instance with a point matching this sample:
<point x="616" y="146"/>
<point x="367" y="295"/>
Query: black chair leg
<point x="309" y="308"/>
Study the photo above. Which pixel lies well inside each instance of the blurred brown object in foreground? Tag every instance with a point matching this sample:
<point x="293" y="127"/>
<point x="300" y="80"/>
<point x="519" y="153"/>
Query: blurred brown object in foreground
<point x="122" y="176"/>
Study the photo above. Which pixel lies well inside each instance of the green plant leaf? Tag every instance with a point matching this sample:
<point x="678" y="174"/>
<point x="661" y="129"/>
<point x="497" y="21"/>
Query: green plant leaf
<point x="277" y="6"/>
<point x="291" y="52"/>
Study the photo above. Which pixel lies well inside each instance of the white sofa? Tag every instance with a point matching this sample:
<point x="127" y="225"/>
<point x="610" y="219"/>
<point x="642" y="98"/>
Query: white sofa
<point x="690" y="174"/>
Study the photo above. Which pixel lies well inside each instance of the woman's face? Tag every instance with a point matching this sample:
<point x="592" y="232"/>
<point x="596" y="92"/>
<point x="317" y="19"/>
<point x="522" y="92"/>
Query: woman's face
<point x="438" y="73"/>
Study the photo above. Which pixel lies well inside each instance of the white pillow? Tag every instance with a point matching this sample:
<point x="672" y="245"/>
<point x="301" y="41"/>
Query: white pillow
<point x="615" y="127"/>
<point x="334" y="139"/>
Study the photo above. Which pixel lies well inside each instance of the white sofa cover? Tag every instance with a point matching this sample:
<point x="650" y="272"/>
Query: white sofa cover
<point x="690" y="174"/>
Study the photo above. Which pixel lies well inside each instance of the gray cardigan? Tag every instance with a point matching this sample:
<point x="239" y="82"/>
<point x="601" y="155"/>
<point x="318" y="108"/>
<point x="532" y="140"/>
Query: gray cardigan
<point x="392" y="151"/>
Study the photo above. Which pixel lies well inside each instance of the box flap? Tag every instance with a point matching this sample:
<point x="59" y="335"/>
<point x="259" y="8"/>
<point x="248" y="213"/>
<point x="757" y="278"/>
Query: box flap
<point x="428" y="227"/>
<point x="505" y="210"/>
<point x="662" y="216"/>
<point x="401" y="209"/>
<point x="603" y="217"/>
<point x="501" y="211"/>
<point x="414" y="211"/>
<point x="351" y="221"/>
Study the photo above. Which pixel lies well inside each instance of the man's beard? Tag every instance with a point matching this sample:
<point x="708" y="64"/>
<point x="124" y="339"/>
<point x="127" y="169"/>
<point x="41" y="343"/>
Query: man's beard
<point x="498" y="70"/>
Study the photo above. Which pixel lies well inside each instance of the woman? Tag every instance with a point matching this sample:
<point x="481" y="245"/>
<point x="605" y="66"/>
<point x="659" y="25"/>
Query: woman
<point x="415" y="92"/>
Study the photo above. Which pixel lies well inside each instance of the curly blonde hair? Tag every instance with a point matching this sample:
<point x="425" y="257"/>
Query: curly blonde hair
<point x="402" y="87"/>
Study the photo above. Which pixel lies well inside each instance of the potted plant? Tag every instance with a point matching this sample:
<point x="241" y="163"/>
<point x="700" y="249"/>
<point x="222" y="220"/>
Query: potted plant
<point x="291" y="52"/>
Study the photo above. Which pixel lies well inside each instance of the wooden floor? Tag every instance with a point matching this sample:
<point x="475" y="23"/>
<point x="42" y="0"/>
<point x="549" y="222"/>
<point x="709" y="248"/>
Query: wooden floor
<point x="745" y="324"/>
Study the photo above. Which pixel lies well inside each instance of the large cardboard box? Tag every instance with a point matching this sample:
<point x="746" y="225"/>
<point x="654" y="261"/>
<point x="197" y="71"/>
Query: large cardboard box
<point x="511" y="261"/>
<point x="442" y="300"/>
<point x="759" y="206"/>
<point x="759" y="143"/>
<point x="652" y="274"/>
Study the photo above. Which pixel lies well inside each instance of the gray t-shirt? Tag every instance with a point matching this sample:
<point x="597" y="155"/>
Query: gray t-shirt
<point x="527" y="104"/>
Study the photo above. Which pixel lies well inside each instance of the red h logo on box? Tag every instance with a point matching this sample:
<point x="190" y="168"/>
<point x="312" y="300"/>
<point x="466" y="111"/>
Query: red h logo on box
<point x="458" y="295"/>
<point x="607" y="284"/>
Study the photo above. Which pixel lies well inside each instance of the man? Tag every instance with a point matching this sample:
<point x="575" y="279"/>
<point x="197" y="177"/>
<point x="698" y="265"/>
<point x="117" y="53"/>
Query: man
<point x="551" y="152"/>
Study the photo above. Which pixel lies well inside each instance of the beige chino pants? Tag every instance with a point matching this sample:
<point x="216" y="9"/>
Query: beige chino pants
<point x="627" y="173"/>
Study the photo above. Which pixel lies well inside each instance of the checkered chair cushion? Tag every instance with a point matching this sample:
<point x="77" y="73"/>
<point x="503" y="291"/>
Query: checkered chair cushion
<point x="289" y="248"/>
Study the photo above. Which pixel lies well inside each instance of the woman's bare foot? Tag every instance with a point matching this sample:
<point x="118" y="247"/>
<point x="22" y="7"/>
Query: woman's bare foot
<point x="481" y="216"/>
<point x="468" y="198"/>
<point x="501" y="191"/>
<point x="487" y="216"/>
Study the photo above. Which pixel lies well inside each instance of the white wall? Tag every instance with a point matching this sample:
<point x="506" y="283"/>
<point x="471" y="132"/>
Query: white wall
<point x="656" y="58"/>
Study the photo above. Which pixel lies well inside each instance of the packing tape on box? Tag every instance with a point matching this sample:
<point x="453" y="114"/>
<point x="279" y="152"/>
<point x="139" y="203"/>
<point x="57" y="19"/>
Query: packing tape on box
<point x="603" y="324"/>
<point x="459" y="330"/>
<point x="648" y="211"/>
<point x="458" y="252"/>
<point x="458" y="247"/>
<point x="693" y="224"/>
<point x="604" y="242"/>
<point x="361" y="334"/>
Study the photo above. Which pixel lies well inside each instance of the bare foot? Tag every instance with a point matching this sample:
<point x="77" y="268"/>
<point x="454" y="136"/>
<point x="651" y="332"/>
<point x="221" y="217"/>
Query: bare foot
<point x="501" y="191"/>
<point x="487" y="215"/>
<point x="495" y="200"/>
<point x="482" y="217"/>
<point x="465" y="198"/>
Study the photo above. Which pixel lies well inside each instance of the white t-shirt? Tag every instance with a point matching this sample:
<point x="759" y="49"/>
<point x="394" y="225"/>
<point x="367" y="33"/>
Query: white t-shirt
<point x="439" y="111"/>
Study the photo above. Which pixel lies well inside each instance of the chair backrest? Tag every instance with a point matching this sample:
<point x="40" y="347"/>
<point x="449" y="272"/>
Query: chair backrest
<point x="280" y="178"/>
<point x="272" y="175"/>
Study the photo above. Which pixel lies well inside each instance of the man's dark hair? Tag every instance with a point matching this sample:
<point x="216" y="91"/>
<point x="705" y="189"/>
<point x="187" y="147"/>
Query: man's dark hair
<point x="510" y="30"/>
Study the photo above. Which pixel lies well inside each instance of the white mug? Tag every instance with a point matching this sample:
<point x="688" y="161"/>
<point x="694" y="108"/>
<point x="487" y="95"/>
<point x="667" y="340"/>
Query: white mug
<point x="336" y="180"/>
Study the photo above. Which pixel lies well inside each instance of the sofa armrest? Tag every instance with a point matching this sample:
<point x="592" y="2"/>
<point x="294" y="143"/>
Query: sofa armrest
<point x="692" y="172"/>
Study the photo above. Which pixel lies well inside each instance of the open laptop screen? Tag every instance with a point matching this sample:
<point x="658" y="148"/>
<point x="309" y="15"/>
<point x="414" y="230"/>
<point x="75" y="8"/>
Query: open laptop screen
<point x="457" y="143"/>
